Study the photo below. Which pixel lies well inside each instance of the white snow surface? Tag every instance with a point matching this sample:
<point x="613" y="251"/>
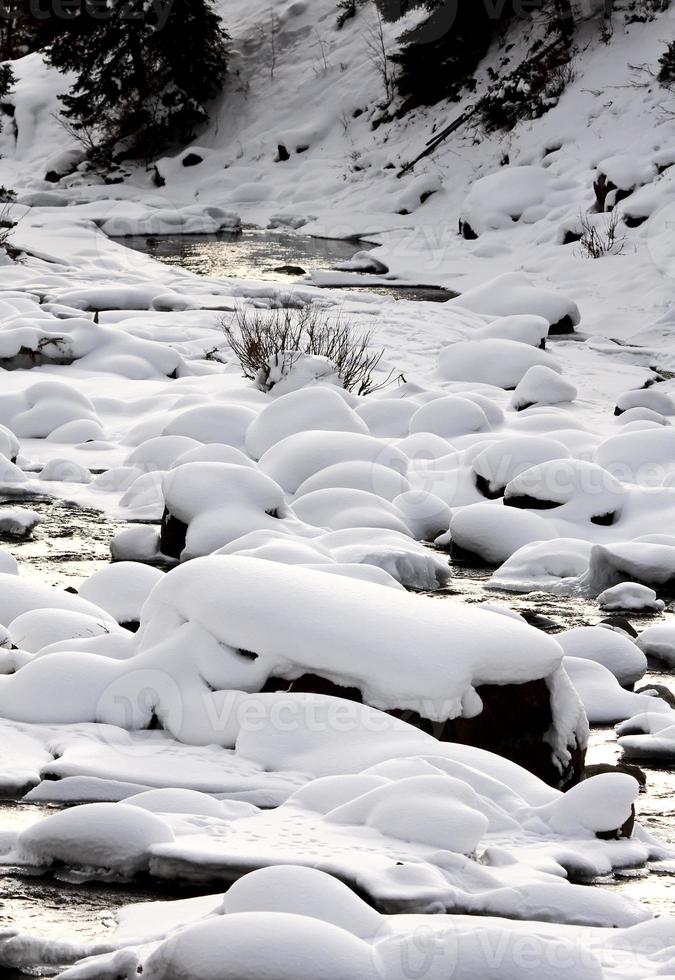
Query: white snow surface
<point x="304" y="508"/>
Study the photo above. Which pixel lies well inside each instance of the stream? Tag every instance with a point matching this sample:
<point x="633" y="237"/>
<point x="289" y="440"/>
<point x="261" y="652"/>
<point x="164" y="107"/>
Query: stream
<point x="270" y="256"/>
<point x="72" y="542"/>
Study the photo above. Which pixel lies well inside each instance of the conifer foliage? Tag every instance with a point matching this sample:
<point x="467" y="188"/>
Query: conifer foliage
<point x="144" y="79"/>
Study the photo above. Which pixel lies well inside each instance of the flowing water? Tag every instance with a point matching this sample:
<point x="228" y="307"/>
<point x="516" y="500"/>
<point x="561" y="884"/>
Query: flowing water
<point x="270" y="256"/>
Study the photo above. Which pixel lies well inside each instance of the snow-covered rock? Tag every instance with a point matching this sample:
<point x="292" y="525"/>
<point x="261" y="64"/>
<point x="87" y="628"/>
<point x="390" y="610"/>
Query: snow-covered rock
<point x="493" y="361"/>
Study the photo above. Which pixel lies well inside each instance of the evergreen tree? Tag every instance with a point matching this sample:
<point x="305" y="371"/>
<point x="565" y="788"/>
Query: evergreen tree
<point x="438" y="57"/>
<point x="20" y="30"/>
<point x="6" y="82"/>
<point x="143" y="81"/>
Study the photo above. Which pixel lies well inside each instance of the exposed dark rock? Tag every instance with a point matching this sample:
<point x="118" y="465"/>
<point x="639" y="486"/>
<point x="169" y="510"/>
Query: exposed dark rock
<point x="192" y="160"/>
<point x="132" y="625"/>
<point x="659" y="691"/>
<point x="172" y="535"/>
<point x="635" y="220"/>
<point x="467" y="557"/>
<point x="466" y="231"/>
<point x="526" y="502"/>
<point x="26" y="358"/>
<point x="601" y="767"/>
<point x="571" y="237"/>
<point x="625" y="830"/>
<point x="539" y="621"/>
<point x="605" y="520"/>
<point x="620" y="623"/>
<point x="514" y="723"/>
<point x="562" y="327"/>
<point x="290" y="270"/>
<point x="282" y="154"/>
<point x="484" y="487"/>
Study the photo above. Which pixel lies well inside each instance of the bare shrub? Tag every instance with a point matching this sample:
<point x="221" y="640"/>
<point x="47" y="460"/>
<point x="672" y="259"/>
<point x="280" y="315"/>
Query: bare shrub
<point x="598" y="240"/>
<point x="262" y="339"/>
<point x="7" y="225"/>
<point x="376" y="46"/>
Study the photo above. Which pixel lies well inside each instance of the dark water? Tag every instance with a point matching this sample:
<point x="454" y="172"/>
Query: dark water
<point x="267" y="256"/>
<point x="68" y="545"/>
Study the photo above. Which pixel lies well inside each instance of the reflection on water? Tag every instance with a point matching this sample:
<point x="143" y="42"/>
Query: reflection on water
<point x="68" y="545"/>
<point x="270" y="256"/>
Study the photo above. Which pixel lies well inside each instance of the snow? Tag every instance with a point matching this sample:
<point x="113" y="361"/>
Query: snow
<point x="492" y="361"/>
<point x="542" y="386"/>
<point x="604" y="646"/>
<point x="658" y="642"/>
<point x="630" y="597"/>
<point x="550" y="566"/>
<point x="143" y="408"/>
<point x="494" y="532"/>
<point x="514" y="194"/>
<point x="229" y="948"/>
<point x="99" y="835"/>
<point x="290" y="413"/>
<point x="512" y="294"/>
<point x="121" y="589"/>
<point x="604" y="700"/>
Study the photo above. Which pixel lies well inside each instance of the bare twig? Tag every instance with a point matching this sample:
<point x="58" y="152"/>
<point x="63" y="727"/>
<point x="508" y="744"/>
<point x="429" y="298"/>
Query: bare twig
<point x="597" y="241"/>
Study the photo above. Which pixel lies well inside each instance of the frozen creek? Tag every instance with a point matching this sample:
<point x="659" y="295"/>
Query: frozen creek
<point x="70" y="544"/>
<point x="271" y="256"/>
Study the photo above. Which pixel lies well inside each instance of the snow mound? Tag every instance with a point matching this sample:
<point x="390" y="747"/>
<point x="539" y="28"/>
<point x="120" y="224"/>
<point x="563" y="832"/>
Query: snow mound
<point x="303" y="891"/>
<point x="572" y="489"/>
<point x="121" y="589"/>
<point x="502" y="363"/>
<point x="301" y="411"/>
<point x="219" y="502"/>
<point x="113" y="836"/>
<point x="542" y="386"/>
<point x="372" y="631"/>
<point x="512" y="293"/>
<point x="449" y="416"/>
<point x="373" y="477"/>
<point x="507" y="458"/>
<point x="297" y="457"/>
<point x="39" y="628"/>
<point x="630" y="597"/>
<point x="513" y="194"/>
<point x="633" y="561"/>
<point x="548" y="566"/>
<point x="604" y="646"/>
<point x="494" y="533"/>
<point x="338" y="508"/>
<point x="658" y="642"/>
<point x="604" y="700"/>
<point x="524" y="328"/>
<point x="258" y="945"/>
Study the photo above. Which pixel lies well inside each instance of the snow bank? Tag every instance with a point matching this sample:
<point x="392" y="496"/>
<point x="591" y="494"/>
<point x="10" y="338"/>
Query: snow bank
<point x="513" y="194"/>
<point x="110" y="836"/>
<point x="604" y="646"/>
<point x="512" y="293"/>
<point x="502" y="363"/>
